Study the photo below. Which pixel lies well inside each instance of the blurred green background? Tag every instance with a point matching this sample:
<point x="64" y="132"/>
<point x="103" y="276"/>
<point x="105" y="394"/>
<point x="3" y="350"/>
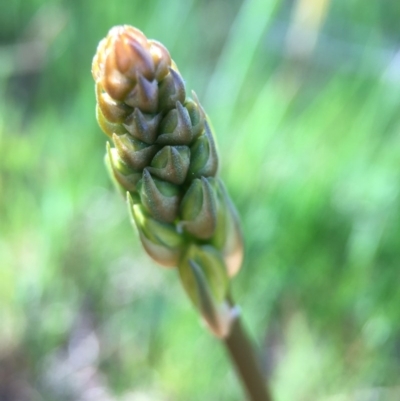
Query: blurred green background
<point x="304" y="96"/>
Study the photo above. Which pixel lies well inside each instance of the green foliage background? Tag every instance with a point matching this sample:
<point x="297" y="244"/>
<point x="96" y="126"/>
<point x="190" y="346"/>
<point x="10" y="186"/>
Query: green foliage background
<point x="306" y="116"/>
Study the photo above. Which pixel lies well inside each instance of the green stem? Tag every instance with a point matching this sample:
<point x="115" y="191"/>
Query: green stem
<point x="247" y="366"/>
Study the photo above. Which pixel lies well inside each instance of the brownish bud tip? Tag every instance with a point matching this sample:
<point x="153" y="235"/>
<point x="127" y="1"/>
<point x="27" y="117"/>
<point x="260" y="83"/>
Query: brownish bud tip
<point x="123" y="56"/>
<point x="161" y="59"/>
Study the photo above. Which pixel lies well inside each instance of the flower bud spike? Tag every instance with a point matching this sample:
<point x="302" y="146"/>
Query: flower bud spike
<point x="159" y="197"/>
<point x="144" y="95"/>
<point x="171" y="164"/>
<point x="161" y="241"/>
<point x="124" y="178"/>
<point x="198" y="210"/>
<point x="176" y="127"/>
<point x="203" y="156"/>
<point x="172" y="90"/>
<point x="164" y="153"/>
<point x="134" y="153"/>
<point x="114" y="112"/>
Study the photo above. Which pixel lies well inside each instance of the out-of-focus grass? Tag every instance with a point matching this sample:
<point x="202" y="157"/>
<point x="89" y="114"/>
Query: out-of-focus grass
<point x="305" y="109"/>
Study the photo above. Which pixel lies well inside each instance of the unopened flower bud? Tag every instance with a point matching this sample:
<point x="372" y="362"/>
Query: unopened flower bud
<point x="198" y="209"/>
<point x="228" y="236"/>
<point x="143" y="126"/>
<point x="108" y="127"/>
<point x="161" y="240"/>
<point x="196" y="115"/>
<point x="134" y="153"/>
<point x="176" y="127"/>
<point x="203" y="275"/>
<point x="159" y="197"/>
<point x="161" y="59"/>
<point x="171" y="164"/>
<point x="144" y="95"/>
<point x="113" y="81"/>
<point x="131" y="52"/>
<point x="203" y="155"/>
<point x="113" y="111"/>
<point x="172" y="90"/>
<point x="124" y="177"/>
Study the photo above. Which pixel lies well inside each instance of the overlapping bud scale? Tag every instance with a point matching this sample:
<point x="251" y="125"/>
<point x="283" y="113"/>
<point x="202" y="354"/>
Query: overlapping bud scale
<point x="165" y="161"/>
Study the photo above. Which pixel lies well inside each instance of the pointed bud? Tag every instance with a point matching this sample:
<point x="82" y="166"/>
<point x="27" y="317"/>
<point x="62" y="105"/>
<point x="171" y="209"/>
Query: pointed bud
<point x="161" y="240"/>
<point x="228" y="236"/>
<point x="122" y="175"/>
<point x="131" y="53"/>
<point x="196" y="117"/>
<point x="176" y="127"/>
<point x="134" y="153"/>
<point x="108" y="127"/>
<point x="159" y="197"/>
<point x="204" y="278"/>
<point x="198" y="210"/>
<point x="143" y="126"/>
<point x="144" y="95"/>
<point x="161" y="59"/>
<point x="212" y="266"/>
<point x="113" y="81"/>
<point x="203" y="156"/>
<point x="133" y="32"/>
<point x="171" y="164"/>
<point x="113" y="111"/>
<point x="199" y="106"/>
<point x="172" y="90"/>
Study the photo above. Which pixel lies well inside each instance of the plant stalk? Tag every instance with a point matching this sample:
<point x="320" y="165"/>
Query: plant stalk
<point x="247" y="366"/>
